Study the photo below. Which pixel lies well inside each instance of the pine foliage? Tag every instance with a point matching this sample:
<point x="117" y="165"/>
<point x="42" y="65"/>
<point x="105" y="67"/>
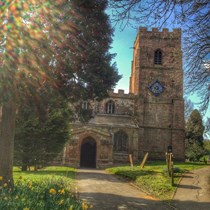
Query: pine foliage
<point x="194" y="136"/>
<point x="39" y="140"/>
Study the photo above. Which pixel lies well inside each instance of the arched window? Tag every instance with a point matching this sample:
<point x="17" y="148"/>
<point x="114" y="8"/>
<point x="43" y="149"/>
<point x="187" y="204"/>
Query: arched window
<point x="84" y="105"/>
<point x="158" y="57"/>
<point x="110" y="107"/>
<point x="120" y="142"/>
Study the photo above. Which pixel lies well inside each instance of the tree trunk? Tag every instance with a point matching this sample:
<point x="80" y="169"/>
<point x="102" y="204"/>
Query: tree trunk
<point x="7" y="133"/>
<point x="24" y="165"/>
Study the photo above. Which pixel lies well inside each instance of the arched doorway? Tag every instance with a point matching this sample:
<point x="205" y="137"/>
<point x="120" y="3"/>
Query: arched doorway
<point x="88" y="153"/>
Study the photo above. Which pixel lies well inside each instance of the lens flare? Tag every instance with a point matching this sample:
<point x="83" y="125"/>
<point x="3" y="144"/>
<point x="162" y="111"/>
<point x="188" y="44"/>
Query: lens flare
<point x="32" y="36"/>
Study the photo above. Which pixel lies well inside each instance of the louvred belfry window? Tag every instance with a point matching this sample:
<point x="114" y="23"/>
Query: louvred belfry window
<point x="158" y="57"/>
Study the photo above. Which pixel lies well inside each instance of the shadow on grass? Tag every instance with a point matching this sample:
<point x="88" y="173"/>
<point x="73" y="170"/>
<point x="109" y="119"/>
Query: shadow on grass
<point x="132" y="175"/>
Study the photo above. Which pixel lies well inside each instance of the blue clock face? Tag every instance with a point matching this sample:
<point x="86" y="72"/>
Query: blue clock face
<point x="156" y="88"/>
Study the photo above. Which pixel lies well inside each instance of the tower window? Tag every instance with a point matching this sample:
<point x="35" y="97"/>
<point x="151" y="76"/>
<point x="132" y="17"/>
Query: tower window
<point x="158" y="57"/>
<point x="110" y="107"/>
<point x="120" y="142"/>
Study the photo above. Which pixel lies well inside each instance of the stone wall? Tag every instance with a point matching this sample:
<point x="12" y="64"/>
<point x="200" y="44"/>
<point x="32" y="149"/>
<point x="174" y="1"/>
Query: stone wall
<point x="161" y="117"/>
<point x="103" y="135"/>
<point x="151" y="121"/>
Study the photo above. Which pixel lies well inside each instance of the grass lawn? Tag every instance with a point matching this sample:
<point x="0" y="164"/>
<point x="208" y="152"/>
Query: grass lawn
<point x="50" y="188"/>
<point x="51" y="172"/>
<point x="153" y="178"/>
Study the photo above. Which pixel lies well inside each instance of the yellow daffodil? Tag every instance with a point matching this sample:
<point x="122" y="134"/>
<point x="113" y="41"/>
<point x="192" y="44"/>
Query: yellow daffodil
<point x="62" y="191"/>
<point x="84" y="206"/>
<point x="1" y="178"/>
<point x="52" y="191"/>
<point x="61" y="202"/>
<point x="71" y="208"/>
<point x="30" y="184"/>
<point x="26" y="209"/>
<point x="5" y="184"/>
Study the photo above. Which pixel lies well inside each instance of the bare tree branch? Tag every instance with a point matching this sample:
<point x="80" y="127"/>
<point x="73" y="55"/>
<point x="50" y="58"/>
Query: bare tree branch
<point x="193" y="16"/>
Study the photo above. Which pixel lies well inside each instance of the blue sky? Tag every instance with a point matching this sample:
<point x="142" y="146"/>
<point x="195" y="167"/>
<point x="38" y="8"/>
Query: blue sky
<point x="122" y="45"/>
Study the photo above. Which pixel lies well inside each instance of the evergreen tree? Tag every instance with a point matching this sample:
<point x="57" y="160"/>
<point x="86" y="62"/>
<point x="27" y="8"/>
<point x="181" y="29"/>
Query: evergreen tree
<point x="207" y="147"/>
<point x="85" y="62"/>
<point x="58" y="44"/>
<point x="194" y="136"/>
<point x="39" y="140"/>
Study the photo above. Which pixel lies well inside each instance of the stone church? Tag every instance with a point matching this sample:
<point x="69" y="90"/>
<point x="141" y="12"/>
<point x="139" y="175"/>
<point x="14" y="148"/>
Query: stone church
<point x="148" y="119"/>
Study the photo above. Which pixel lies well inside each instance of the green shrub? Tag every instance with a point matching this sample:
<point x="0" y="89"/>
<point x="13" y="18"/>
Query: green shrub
<point x="204" y="159"/>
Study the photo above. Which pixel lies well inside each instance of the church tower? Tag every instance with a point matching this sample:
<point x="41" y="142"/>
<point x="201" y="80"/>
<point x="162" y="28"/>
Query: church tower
<point x="157" y="80"/>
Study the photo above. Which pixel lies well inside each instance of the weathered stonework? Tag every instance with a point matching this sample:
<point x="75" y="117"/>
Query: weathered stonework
<point x="147" y="121"/>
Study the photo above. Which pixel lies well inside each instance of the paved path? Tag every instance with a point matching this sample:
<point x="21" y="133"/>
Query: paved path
<point x="105" y="191"/>
<point x="193" y="192"/>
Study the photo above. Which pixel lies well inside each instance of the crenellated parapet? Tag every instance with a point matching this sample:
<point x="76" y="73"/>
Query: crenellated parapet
<point x="121" y="94"/>
<point x="155" y="33"/>
<point x="144" y="30"/>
